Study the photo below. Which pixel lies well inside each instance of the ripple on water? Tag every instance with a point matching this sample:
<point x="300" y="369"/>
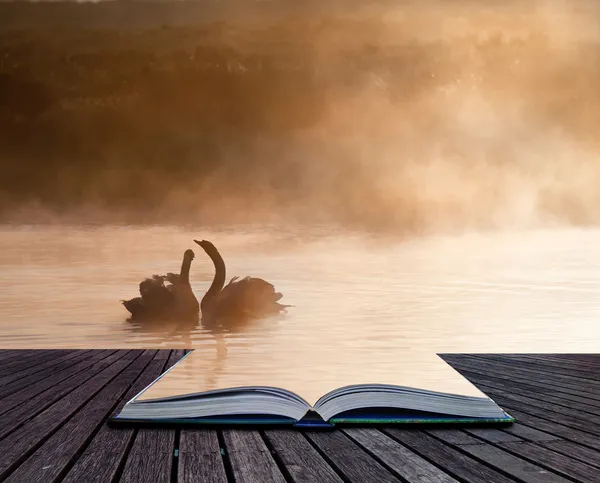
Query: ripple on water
<point x="528" y="291"/>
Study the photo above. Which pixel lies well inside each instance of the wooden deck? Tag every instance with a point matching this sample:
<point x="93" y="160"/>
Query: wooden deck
<point x="54" y="405"/>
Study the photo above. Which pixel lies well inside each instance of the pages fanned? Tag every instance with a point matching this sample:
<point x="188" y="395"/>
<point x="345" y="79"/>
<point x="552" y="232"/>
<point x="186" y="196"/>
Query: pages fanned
<point x="425" y="391"/>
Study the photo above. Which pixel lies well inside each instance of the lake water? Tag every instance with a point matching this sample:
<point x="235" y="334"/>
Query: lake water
<point x="60" y="286"/>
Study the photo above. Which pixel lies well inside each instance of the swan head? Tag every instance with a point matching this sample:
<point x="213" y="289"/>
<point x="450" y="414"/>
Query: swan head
<point x="188" y="255"/>
<point x="207" y="246"/>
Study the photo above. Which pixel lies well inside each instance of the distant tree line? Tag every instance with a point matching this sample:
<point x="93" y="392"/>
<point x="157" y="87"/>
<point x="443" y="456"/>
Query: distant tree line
<point x="108" y="113"/>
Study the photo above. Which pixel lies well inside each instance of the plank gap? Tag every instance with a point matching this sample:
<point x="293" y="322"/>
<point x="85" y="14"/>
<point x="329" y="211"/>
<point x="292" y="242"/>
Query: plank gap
<point x="175" y="461"/>
<point x="225" y="456"/>
<point x="329" y="461"/>
<point x="284" y="471"/>
<point x="124" y="456"/>
<point x="98" y="428"/>
<point x="34" y="446"/>
<point x="544" y="460"/>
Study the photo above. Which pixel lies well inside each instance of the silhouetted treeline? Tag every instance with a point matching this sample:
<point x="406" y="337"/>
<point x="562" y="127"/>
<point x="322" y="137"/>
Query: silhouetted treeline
<point x="134" y="118"/>
<point x="70" y="114"/>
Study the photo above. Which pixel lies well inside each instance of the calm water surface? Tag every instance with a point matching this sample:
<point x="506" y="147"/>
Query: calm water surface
<point x="355" y="297"/>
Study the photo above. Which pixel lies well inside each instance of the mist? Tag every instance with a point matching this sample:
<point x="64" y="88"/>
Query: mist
<point x="423" y="118"/>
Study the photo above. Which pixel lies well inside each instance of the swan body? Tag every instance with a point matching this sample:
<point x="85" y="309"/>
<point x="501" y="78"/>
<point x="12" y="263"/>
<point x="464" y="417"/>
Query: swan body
<point x="160" y="300"/>
<point x="247" y="298"/>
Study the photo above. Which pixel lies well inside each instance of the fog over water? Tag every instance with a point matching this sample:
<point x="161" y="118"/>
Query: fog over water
<point x="411" y="178"/>
<point x="510" y="291"/>
<point x="425" y="119"/>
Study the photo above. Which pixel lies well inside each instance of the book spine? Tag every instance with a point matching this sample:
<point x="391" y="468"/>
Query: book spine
<point x="312" y="424"/>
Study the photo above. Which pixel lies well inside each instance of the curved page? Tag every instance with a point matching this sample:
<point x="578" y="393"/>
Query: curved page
<point x="310" y="378"/>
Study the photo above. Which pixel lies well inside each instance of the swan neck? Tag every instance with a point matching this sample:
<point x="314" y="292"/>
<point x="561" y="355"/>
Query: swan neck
<point x="218" y="280"/>
<point x="184" y="275"/>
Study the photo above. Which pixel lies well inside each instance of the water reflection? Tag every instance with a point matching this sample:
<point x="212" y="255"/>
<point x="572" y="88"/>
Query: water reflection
<point x="521" y="291"/>
<point x="197" y="373"/>
<point x="214" y="374"/>
<point x="157" y="331"/>
<point x="217" y="333"/>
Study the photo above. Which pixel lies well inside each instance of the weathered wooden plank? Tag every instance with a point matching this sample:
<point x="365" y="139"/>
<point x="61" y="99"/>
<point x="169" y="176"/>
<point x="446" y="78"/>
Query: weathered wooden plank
<point x="152" y="452"/>
<point x="402" y="461"/>
<point x="537" y="372"/>
<point x="479" y="360"/>
<point x="551" y="412"/>
<point x="165" y="354"/>
<point x="250" y="458"/>
<point x="29" y="370"/>
<point x="553" y="427"/>
<point x="453" y="436"/>
<point x="15" y="395"/>
<point x="589" y="359"/>
<point x="11" y="384"/>
<point x="29" y="402"/>
<point x="10" y="351"/>
<point x="542" y="368"/>
<point x="546" y="360"/>
<point x="453" y="461"/>
<point x="131" y="355"/>
<point x="522" y="374"/>
<point x="101" y="460"/>
<point x="556" y="462"/>
<point x="53" y="456"/>
<point x="10" y="354"/>
<point x="300" y="458"/>
<point x="574" y="450"/>
<point x="576" y="409"/>
<point x="200" y="457"/>
<point x="593" y="356"/>
<point x="18" y="445"/>
<point x="574" y="457"/>
<point x="151" y="458"/>
<point x="349" y="459"/>
<point x="551" y="416"/>
<point x="174" y="357"/>
<point x="587" y="404"/>
<point x="511" y="464"/>
<point x="31" y="361"/>
<point x="536" y="390"/>
<point x="528" y="433"/>
<point x="493" y="435"/>
<point x="163" y="360"/>
<point x="20" y="355"/>
<point x="550" y="383"/>
<point x="578" y="355"/>
<point x="545" y="385"/>
<point x="552" y="361"/>
<point x="458" y="437"/>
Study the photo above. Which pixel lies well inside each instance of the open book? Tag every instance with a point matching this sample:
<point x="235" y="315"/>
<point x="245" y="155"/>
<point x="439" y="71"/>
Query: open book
<point x="437" y="394"/>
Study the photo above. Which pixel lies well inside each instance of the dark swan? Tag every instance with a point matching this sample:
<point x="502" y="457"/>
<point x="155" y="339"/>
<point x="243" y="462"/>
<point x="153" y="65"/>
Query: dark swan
<point x="174" y="300"/>
<point x="247" y="298"/>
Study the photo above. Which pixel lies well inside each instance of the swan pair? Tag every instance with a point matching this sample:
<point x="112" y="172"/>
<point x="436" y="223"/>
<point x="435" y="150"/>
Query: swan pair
<point x="248" y="298"/>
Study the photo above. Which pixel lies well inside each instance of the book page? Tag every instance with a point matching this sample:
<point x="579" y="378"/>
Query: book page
<point x="309" y="378"/>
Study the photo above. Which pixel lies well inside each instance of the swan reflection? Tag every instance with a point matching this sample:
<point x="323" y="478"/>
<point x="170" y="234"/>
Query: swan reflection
<point x="170" y="297"/>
